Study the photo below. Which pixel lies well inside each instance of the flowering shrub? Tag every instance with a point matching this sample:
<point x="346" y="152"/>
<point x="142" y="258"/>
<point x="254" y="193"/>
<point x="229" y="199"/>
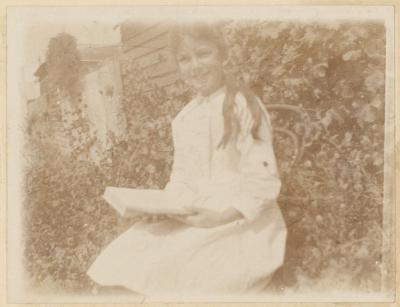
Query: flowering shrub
<point x="333" y="202"/>
<point x="331" y="197"/>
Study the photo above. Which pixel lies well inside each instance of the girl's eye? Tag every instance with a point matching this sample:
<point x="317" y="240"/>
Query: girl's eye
<point x="204" y="53"/>
<point x="183" y="59"/>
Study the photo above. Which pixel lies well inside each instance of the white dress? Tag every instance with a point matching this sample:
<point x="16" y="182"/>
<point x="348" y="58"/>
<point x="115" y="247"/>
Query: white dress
<point x="171" y="260"/>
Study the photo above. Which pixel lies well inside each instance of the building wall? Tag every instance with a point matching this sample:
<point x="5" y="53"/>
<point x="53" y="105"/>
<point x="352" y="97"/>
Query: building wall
<point x="147" y="46"/>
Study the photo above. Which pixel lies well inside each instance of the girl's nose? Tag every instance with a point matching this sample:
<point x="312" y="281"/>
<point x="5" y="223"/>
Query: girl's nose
<point x="195" y="63"/>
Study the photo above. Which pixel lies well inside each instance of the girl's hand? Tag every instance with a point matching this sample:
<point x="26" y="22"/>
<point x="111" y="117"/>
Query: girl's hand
<point x="201" y="217"/>
<point x="205" y="218"/>
<point x="146" y="218"/>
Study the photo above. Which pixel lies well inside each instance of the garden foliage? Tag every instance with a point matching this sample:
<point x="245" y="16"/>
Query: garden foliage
<point x="63" y="64"/>
<point x="331" y="198"/>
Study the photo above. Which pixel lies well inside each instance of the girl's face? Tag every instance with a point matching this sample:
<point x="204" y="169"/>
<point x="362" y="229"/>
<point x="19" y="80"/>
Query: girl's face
<point x="200" y="64"/>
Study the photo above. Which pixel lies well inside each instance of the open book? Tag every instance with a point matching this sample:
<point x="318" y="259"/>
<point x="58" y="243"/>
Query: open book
<point x="142" y="201"/>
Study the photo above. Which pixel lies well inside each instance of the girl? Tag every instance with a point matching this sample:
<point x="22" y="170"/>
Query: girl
<point x="225" y="175"/>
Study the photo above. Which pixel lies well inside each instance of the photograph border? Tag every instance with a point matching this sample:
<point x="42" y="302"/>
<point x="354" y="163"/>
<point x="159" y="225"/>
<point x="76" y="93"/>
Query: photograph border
<point x="391" y="213"/>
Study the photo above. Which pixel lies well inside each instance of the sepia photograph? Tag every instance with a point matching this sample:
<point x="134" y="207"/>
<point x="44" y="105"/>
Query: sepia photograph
<point x="200" y="154"/>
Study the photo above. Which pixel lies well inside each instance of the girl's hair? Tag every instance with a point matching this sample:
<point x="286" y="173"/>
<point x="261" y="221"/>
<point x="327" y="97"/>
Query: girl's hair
<point x="210" y="32"/>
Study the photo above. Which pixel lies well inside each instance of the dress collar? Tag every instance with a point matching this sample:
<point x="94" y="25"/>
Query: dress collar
<point x="200" y="98"/>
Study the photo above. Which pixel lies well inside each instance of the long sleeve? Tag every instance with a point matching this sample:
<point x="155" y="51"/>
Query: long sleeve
<point x="177" y="186"/>
<point x="259" y="178"/>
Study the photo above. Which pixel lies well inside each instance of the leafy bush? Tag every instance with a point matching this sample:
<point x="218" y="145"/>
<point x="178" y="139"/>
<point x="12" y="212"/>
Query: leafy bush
<point x="63" y="63"/>
<point x="331" y="199"/>
<point x="336" y="73"/>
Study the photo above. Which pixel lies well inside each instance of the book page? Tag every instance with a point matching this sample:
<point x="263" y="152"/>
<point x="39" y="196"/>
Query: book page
<point x="143" y="201"/>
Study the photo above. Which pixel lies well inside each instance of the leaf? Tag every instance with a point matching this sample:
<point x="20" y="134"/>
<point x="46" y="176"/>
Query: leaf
<point x="352" y="55"/>
<point x="375" y="80"/>
<point x="348" y="136"/>
<point x="367" y="114"/>
<point x="278" y="71"/>
<point x="377" y="102"/>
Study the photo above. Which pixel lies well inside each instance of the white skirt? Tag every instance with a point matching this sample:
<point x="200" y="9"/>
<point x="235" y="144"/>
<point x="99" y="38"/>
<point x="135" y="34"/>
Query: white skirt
<point x="170" y="260"/>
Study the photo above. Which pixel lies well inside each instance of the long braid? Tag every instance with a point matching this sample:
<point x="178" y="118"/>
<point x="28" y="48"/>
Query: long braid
<point x="231" y="121"/>
<point x="254" y="109"/>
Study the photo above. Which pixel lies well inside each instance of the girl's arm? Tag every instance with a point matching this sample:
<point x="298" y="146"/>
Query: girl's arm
<point x="177" y="186"/>
<point x="259" y="178"/>
<point x="205" y="218"/>
<point x="230" y="215"/>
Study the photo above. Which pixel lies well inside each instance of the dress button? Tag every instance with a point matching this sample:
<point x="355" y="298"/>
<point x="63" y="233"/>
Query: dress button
<point x="265" y="163"/>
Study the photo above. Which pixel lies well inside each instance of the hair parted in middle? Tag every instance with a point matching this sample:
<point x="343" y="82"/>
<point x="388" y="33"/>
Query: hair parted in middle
<point x="210" y="32"/>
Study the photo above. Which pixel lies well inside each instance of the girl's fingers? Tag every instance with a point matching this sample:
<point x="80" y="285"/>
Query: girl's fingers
<point x="199" y="210"/>
<point x="144" y="218"/>
<point x="179" y="218"/>
<point x="191" y="209"/>
<point x="183" y="220"/>
<point x="191" y="220"/>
